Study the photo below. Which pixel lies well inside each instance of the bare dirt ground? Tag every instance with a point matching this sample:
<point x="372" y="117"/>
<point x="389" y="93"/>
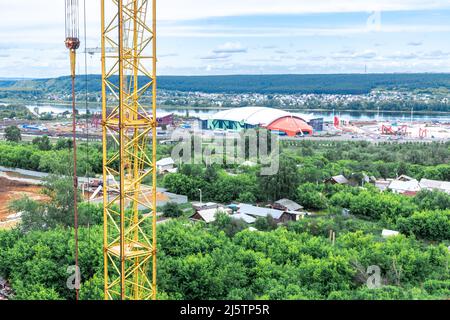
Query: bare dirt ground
<point x="12" y="190"/>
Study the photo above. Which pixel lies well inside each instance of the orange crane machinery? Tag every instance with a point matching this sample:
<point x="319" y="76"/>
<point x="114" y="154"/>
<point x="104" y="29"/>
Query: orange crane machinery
<point x="129" y="77"/>
<point x="389" y="130"/>
<point x="386" y="130"/>
<point x="73" y="43"/>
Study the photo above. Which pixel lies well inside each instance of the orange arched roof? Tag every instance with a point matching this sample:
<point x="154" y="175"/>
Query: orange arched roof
<point x="291" y="126"/>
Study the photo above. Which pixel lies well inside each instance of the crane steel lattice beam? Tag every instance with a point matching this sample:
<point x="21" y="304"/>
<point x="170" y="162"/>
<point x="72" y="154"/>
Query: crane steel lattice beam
<point x="128" y="75"/>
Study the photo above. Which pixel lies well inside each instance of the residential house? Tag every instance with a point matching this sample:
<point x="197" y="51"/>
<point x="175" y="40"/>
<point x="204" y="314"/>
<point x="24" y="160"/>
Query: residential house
<point x="242" y="216"/>
<point x="287" y="205"/>
<point x="383" y="184"/>
<point x="205" y="205"/>
<point x="431" y="185"/>
<point x="165" y="165"/>
<point x="406" y="187"/>
<point x="340" y="179"/>
<point x="209" y="215"/>
<point x="279" y="216"/>
<point x="405" y="178"/>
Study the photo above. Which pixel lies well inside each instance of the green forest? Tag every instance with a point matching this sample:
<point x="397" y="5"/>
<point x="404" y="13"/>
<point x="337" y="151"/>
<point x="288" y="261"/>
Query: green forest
<point x="288" y="83"/>
<point x="226" y="260"/>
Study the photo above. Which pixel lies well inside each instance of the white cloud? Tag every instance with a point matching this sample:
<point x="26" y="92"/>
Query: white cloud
<point x="230" y="47"/>
<point x="216" y="56"/>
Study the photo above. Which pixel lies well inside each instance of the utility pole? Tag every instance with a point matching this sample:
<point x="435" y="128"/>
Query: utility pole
<point x="200" y="196"/>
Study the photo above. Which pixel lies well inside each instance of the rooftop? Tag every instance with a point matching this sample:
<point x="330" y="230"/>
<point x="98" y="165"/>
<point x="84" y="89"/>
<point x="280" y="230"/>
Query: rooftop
<point x="405" y="186"/>
<point x="259" y="211"/>
<point x="165" y="162"/>
<point x="435" y="185"/>
<point x="209" y="215"/>
<point x="252" y="115"/>
<point x="289" y="204"/>
<point x="243" y="216"/>
<point x="340" y="179"/>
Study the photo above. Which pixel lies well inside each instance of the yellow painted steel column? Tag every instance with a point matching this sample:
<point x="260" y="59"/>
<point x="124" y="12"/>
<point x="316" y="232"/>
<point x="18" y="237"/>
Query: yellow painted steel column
<point x="104" y="146"/>
<point x="130" y="240"/>
<point x="136" y="142"/>
<point x="121" y="148"/>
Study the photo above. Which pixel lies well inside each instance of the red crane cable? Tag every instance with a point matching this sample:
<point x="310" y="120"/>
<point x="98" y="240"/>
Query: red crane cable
<point x="73" y="43"/>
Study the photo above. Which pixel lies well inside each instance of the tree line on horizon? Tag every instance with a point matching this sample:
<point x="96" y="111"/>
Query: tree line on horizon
<point x="265" y="84"/>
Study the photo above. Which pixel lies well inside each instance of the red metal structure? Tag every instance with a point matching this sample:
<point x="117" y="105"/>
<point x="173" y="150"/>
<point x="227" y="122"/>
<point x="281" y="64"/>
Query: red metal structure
<point x="390" y="131"/>
<point x="291" y="126"/>
<point x="337" y="123"/>
<point x="423" y="133"/>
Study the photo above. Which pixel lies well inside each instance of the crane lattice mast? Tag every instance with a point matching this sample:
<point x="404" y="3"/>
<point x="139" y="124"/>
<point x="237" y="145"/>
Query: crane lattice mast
<point x="128" y="87"/>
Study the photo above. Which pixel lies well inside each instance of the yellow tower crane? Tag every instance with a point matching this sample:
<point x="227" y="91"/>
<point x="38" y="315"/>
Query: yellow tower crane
<point x="128" y="85"/>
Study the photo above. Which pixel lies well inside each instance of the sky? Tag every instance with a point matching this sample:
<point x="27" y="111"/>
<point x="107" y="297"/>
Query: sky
<point x="210" y="37"/>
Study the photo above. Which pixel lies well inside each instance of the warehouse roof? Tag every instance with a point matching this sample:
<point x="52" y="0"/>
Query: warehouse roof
<point x="252" y="115"/>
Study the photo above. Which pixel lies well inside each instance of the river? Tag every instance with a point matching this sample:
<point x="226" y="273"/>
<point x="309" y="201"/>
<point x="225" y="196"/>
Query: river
<point x="327" y="115"/>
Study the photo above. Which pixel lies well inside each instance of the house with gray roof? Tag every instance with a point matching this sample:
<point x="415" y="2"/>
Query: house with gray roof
<point x="287" y="205"/>
<point x="443" y="186"/>
<point x="209" y="215"/>
<point x="165" y="165"/>
<point x="409" y="187"/>
<point x="340" y="179"/>
<point x="279" y="216"/>
<point x="245" y="217"/>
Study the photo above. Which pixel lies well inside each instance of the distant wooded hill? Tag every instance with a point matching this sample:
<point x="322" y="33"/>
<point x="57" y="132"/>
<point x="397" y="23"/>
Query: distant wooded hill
<point x="268" y="84"/>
